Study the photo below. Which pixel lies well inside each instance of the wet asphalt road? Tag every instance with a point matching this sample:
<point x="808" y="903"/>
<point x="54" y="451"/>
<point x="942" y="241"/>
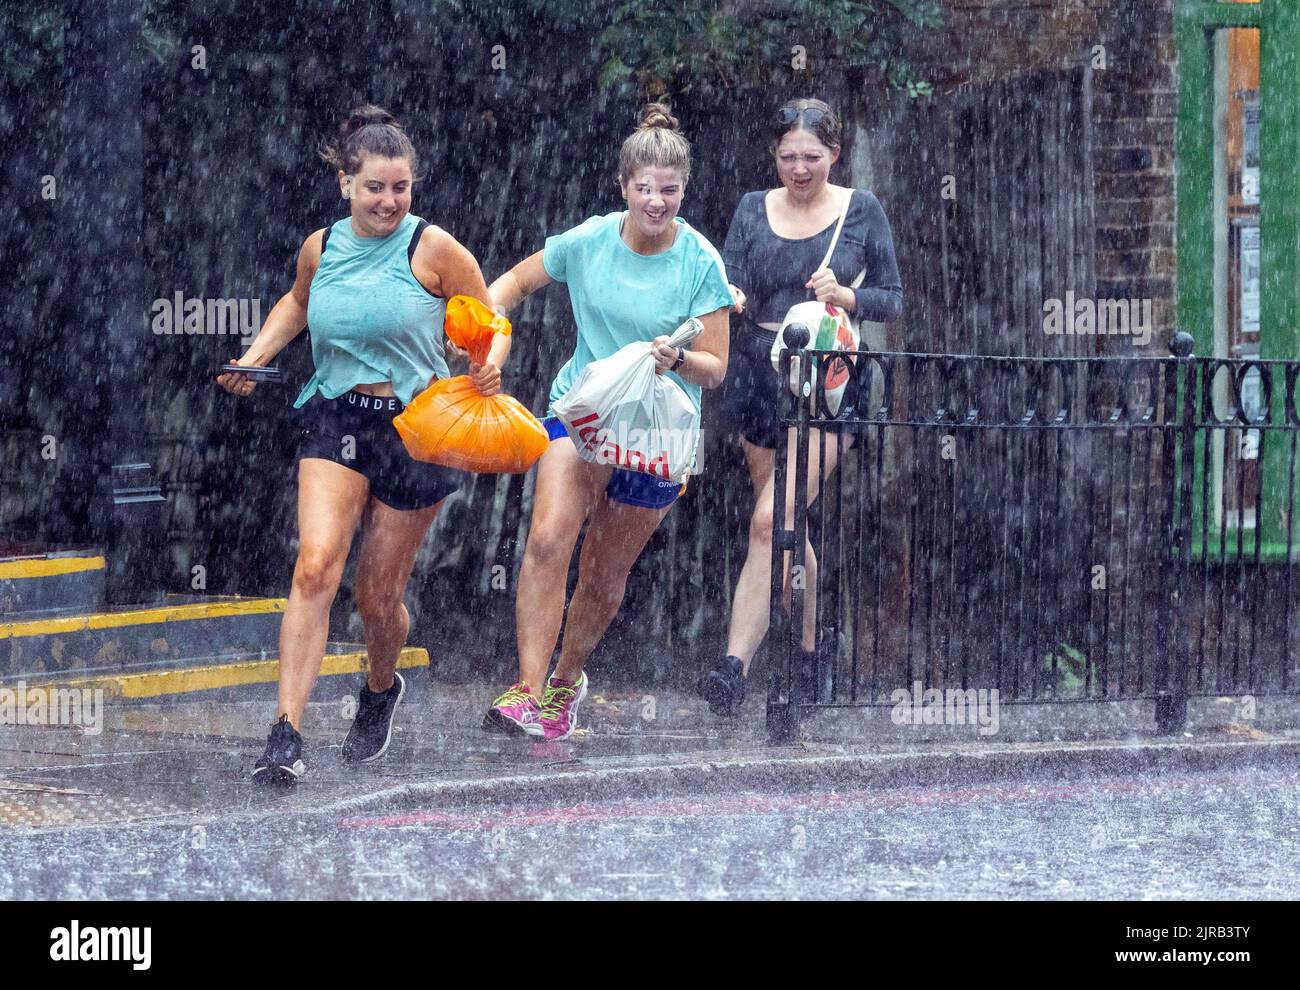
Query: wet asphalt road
<point x="1228" y="835"/>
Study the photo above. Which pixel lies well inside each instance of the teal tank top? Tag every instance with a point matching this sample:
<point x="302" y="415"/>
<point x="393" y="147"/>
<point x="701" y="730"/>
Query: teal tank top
<point x="370" y="318"/>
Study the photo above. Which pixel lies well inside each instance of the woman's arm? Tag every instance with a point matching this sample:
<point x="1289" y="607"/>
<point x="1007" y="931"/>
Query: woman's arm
<point x="734" y="250"/>
<point x="523" y="280"/>
<point x="706" y="359"/>
<point x="509" y="290"/>
<point x="445" y="267"/>
<point x="880" y="297"/>
<point x="287" y="319"/>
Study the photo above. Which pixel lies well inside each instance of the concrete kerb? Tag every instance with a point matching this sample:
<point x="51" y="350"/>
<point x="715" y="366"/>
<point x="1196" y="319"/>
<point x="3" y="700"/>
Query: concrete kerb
<point x="788" y="771"/>
<point x="795" y="773"/>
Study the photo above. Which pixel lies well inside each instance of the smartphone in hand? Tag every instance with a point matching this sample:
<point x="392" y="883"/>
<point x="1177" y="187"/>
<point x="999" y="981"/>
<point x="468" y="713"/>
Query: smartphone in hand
<point x="255" y="374"/>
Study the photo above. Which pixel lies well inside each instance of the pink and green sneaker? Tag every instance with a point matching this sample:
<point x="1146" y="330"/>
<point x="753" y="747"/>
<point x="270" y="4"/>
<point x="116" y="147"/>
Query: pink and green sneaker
<point x="559" y="709"/>
<point x="515" y="712"/>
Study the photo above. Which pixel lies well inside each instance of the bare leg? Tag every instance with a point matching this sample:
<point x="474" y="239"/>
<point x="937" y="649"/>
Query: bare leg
<point x="390" y="542"/>
<point x="751" y="604"/>
<point x="752" y="597"/>
<point x="565" y="494"/>
<point x="330" y="502"/>
<point x="615" y="538"/>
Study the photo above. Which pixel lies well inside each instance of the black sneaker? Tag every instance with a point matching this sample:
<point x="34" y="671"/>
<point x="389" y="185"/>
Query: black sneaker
<point x="372" y="729"/>
<point x="723" y="686"/>
<point x="282" y="761"/>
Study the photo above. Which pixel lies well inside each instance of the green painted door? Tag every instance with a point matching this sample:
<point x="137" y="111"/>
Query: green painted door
<point x="1238" y="147"/>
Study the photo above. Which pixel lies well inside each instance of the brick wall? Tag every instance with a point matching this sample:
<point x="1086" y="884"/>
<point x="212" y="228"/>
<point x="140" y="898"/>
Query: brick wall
<point x="1134" y="113"/>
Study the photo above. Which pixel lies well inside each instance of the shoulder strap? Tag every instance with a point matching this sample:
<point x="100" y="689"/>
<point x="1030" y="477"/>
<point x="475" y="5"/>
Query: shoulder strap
<point x="835" y="237"/>
<point x="844" y="212"/>
<point x="415" y="240"/>
<point x="325" y="237"/>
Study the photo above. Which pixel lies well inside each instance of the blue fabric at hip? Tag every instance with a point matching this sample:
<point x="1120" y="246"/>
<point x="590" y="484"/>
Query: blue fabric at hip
<point x="644" y="491"/>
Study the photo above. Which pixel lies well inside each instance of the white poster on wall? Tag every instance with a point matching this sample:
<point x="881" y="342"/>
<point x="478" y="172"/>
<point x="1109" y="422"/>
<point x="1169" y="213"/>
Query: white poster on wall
<point x="1250" y="279"/>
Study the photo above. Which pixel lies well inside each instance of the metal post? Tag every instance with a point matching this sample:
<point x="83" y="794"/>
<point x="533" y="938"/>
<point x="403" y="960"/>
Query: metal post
<point x="786" y="630"/>
<point x="1171" y="698"/>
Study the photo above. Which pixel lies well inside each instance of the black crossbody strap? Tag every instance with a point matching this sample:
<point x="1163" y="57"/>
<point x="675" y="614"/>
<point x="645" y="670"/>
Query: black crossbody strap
<point x="415" y="240"/>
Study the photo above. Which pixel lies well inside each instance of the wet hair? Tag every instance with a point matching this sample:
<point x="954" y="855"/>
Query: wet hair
<point x="370" y="130"/>
<point x="657" y="142"/>
<point x="828" y="130"/>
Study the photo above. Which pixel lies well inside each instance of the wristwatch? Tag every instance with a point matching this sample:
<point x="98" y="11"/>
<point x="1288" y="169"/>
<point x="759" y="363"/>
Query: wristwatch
<point x="681" y="359"/>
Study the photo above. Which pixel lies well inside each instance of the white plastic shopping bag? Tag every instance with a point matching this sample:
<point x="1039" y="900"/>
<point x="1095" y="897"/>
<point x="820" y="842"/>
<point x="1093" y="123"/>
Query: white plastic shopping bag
<point x="621" y="412"/>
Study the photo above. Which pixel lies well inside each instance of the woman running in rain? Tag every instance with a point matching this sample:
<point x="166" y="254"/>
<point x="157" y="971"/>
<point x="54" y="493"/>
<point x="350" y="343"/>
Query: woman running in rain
<point x="774" y="249"/>
<point x="633" y="275"/>
<point x="373" y="287"/>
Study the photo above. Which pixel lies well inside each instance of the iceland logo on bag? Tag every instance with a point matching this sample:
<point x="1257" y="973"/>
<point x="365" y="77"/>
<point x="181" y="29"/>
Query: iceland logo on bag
<point x="628" y="454"/>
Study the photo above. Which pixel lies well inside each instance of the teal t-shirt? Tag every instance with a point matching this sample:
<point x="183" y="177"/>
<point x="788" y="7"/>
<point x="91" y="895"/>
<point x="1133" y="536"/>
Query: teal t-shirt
<point x="370" y="318"/>
<point x="619" y="296"/>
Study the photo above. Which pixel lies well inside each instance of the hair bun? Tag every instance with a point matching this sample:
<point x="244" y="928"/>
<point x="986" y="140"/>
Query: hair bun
<point x="369" y="130"/>
<point x="658" y="115"/>
<point x="363" y="116"/>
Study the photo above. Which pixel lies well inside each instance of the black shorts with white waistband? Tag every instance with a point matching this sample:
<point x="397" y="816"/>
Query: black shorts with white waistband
<point x="356" y="431"/>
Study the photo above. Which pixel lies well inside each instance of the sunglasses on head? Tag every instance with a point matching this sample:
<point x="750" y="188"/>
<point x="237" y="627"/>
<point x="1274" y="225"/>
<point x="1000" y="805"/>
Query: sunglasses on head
<point x="812" y="116"/>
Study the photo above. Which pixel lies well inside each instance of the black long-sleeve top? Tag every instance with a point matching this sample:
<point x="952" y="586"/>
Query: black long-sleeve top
<point x="771" y="270"/>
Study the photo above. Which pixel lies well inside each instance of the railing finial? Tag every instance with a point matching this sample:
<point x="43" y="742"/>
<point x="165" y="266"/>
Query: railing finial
<point x="796" y="337"/>
<point x="1181" y="344"/>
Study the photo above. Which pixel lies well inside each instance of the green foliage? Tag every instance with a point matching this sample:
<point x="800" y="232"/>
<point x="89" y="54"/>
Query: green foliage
<point x="707" y="47"/>
<point x="158" y="45"/>
<point x="524" y="21"/>
<point x="679" y="46"/>
<point x="1071" y="670"/>
<point x="33" y="43"/>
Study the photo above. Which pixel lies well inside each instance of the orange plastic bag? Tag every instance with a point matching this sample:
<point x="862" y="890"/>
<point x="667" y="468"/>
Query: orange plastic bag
<point x="470" y="326"/>
<point x="450" y="424"/>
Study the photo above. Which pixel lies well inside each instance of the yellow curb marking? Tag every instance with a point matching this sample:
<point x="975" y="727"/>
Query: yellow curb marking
<point x="158" y="683"/>
<point x="39" y="567"/>
<point x="141" y="617"/>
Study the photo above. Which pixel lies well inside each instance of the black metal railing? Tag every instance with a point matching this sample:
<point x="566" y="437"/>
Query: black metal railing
<point x="1058" y="529"/>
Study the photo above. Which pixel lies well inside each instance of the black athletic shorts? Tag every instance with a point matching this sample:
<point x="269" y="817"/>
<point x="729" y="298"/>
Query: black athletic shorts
<point x="357" y="431"/>
<point x="754" y="394"/>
